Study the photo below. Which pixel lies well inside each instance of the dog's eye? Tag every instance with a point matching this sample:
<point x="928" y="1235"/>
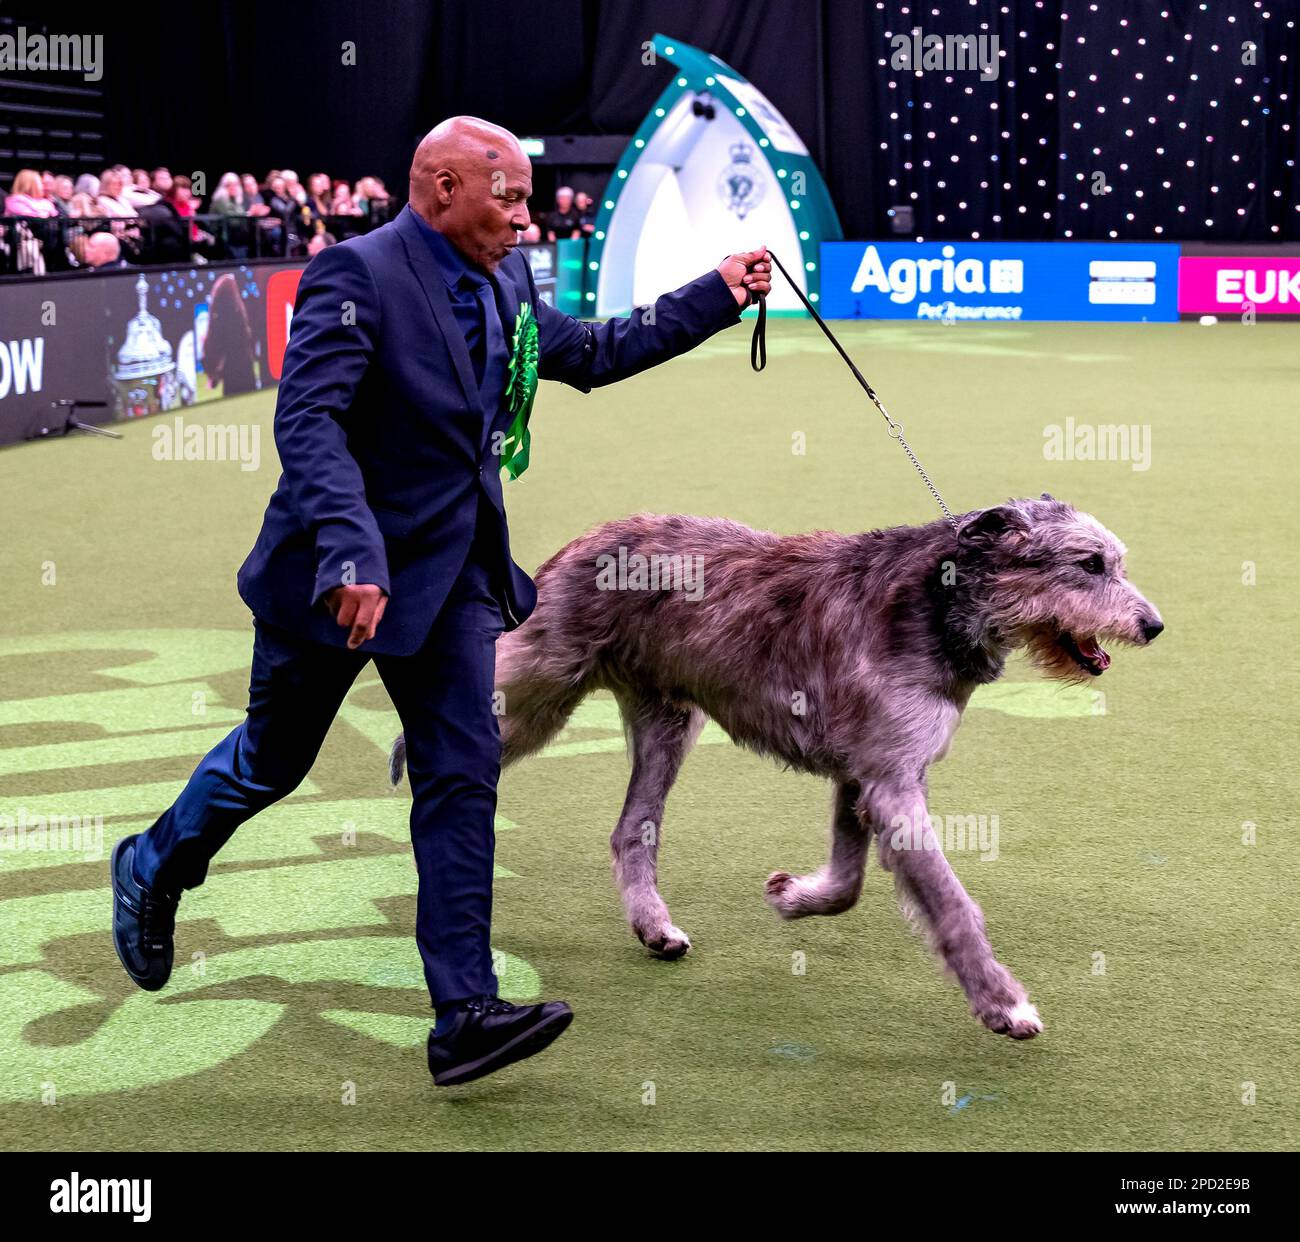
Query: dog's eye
<point x="1093" y="564"/>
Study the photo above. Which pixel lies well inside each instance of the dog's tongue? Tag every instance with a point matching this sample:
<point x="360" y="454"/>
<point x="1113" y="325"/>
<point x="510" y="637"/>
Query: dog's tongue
<point x="1092" y="651"/>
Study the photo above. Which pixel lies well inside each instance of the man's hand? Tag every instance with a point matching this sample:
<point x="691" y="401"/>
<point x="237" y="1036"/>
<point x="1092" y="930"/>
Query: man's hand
<point x="748" y="275"/>
<point x="359" y="608"/>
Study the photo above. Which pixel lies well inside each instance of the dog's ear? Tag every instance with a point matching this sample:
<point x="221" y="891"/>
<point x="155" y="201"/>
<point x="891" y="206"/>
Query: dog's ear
<point x="1047" y="496"/>
<point x="990" y="525"/>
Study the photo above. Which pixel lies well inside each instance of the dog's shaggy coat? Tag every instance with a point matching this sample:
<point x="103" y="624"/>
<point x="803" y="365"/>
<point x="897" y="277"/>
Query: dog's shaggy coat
<point x="848" y="656"/>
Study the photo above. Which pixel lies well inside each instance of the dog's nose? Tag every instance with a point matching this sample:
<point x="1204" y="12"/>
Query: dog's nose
<point x="1151" y="628"/>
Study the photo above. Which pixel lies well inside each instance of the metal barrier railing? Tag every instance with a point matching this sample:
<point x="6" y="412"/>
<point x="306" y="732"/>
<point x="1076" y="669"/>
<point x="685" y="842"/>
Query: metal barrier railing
<point x="38" y="246"/>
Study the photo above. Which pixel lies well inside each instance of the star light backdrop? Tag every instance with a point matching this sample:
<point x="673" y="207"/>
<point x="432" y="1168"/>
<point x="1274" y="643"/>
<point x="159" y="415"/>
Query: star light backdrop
<point x="1192" y="141"/>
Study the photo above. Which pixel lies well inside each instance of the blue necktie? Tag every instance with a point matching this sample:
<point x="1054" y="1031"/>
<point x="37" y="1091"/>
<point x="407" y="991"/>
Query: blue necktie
<point x="496" y="356"/>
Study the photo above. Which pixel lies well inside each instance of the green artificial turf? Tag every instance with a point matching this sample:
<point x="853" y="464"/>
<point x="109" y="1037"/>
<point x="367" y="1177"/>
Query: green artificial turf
<point x="1159" y="947"/>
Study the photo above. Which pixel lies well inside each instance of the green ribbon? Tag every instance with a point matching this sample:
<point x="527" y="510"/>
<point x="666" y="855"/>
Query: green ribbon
<point x="521" y="389"/>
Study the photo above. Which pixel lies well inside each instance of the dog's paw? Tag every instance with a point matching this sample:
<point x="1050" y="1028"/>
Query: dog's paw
<point x="784" y="893"/>
<point x="797" y="896"/>
<point x="1016" y="1021"/>
<point x="666" y="941"/>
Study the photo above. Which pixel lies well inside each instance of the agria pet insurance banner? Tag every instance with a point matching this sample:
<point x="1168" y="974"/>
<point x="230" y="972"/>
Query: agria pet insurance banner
<point x="999" y="282"/>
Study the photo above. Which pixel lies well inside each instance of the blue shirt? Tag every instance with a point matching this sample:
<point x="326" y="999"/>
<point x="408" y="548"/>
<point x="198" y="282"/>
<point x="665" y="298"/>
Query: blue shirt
<point x="464" y="285"/>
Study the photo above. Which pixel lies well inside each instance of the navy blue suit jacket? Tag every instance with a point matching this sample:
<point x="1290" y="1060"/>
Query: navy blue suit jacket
<point x="385" y="445"/>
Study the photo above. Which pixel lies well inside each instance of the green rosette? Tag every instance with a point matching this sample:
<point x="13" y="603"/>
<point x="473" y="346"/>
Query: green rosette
<point x="521" y="389"/>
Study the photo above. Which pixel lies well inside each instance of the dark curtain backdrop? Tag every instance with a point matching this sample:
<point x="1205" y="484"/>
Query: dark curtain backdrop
<point x="231" y="84"/>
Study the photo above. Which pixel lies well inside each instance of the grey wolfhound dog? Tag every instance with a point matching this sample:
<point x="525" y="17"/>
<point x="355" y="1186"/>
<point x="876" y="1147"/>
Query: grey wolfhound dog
<point x="848" y="656"/>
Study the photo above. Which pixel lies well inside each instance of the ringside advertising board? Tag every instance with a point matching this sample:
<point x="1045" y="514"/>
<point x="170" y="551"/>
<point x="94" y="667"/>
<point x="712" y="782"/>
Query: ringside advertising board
<point x="1232" y="284"/>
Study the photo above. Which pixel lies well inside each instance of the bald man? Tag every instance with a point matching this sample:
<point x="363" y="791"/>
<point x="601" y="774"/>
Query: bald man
<point x="386" y="538"/>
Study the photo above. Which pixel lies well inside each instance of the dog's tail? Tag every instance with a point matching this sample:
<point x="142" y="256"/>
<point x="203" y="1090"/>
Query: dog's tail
<point x="397" y="759"/>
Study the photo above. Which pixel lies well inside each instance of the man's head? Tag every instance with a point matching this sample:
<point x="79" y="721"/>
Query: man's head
<point x="564" y="199"/>
<point x="471" y="180"/>
<point x="162" y="180"/>
<point x="102" y="249"/>
<point x="110" y="184"/>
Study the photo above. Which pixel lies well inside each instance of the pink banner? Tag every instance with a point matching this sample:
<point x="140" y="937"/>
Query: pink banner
<point x="1227" y="284"/>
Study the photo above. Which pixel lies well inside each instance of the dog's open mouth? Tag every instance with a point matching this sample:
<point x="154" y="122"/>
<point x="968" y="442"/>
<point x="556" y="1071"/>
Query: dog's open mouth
<point x="1087" y="653"/>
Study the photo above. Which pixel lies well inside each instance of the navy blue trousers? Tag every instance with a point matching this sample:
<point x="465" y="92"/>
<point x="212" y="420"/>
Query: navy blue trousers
<point x="443" y="694"/>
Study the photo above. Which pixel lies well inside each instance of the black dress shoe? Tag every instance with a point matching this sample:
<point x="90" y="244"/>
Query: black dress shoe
<point x="488" y="1034"/>
<point x="144" y="921"/>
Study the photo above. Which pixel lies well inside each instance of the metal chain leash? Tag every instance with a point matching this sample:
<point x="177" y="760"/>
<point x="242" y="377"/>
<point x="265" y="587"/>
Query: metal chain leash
<point x="758" y="360"/>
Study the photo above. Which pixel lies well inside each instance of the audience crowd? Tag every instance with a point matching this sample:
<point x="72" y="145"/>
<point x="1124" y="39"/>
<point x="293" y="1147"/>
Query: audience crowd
<point x="129" y="216"/>
<point x="152" y="216"/>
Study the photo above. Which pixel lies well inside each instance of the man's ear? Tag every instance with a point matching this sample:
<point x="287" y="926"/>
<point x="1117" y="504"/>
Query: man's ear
<point x="990" y="525"/>
<point x="445" y="183"/>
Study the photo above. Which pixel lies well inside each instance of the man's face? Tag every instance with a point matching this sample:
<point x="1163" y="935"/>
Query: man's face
<point x="63" y="188"/>
<point x="162" y="180"/>
<point x="564" y="200"/>
<point x="489" y="208"/>
<point x="111" y="183"/>
<point x="250" y="184"/>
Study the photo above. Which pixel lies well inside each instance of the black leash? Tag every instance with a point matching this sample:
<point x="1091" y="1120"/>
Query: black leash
<point x="758" y="360"/>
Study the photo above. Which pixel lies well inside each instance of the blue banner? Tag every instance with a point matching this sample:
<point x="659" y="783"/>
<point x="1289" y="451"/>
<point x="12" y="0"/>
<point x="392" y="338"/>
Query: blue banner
<point x="996" y="282"/>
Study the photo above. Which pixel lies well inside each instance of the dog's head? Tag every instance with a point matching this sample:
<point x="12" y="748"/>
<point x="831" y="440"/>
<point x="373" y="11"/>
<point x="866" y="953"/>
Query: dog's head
<point x="1051" y="579"/>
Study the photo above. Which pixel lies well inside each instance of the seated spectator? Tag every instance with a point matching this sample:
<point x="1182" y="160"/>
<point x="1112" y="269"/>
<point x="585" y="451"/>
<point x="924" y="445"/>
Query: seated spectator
<point x="101" y="252"/>
<point x="318" y="194"/>
<point x="564" y="220"/>
<point x="586" y="212"/>
<point x="87" y="183"/>
<point x="49" y="183"/>
<point x="293" y="188"/>
<point x="254" y="202"/>
<point x="27" y="197"/>
<point x="111" y="200"/>
<point x="318" y="243"/>
<point x="372" y="199"/>
<point x="228" y="198"/>
<point x="161" y="181"/>
<point x="181" y="197"/>
<point x="342" y="204"/>
<point x="83" y="205"/>
<point x="279" y="201"/>
<point x="63" y="195"/>
<point x="135" y="187"/>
